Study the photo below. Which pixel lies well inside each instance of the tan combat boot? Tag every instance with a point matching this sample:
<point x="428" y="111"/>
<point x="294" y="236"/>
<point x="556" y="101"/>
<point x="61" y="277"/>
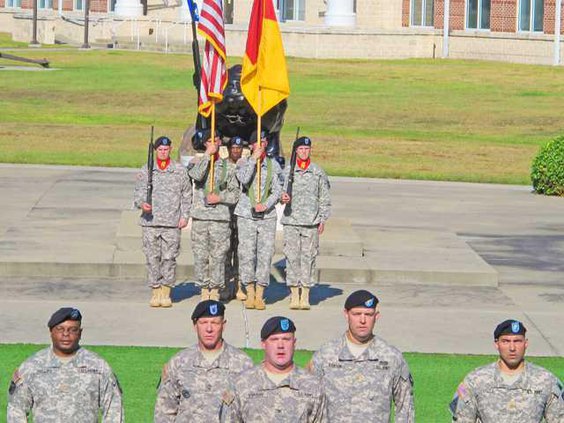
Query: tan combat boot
<point x="205" y="294"/>
<point x="155" y="297"/>
<point x="259" y="298"/>
<point x="165" y="296"/>
<point x="295" y="298"/>
<point x="241" y="296"/>
<point x="214" y="294"/>
<point x="250" y="301"/>
<point x="304" y="299"/>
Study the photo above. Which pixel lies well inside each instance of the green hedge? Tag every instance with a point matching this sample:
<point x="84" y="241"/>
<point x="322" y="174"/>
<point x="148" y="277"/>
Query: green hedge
<point x="547" y="171"/>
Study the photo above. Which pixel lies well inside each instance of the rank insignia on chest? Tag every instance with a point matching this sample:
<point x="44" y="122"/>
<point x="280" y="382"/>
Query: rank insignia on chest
<point x="227" y="397"/>
<point x="512" y="405"/>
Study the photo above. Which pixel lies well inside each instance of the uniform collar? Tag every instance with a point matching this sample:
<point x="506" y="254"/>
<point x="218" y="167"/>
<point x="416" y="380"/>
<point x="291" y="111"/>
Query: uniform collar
<point x="221" y="361"/>
<point x="370" y="354"/>
<point x="290" y="380"/>
<point x="53" y="360"/>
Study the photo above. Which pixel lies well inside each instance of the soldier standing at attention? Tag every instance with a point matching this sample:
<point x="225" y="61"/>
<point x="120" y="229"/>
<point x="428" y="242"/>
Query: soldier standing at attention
<point x="256" y="222"/>
<point x="163" y="220"/>
<point x="194" y="380"/>
<point x="509" y="390"/>
<point x="307" y="209"/>
<point x="361" y="372"/>
<point x="276" y="390"/>
<point x="65" y="382"/>
<point x="211" y="228"/>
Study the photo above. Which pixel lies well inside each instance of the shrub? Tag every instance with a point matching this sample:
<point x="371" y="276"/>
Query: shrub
<point x="547" y="170"/>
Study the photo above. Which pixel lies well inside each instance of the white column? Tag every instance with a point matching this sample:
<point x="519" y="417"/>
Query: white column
<point x="557" y="17"/>
<point x="129" y="8"/>
<point x="446" y="26"/>
<point x="340" y="13"/>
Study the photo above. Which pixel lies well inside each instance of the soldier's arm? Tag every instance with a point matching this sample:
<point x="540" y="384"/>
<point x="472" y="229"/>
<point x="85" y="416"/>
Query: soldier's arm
<point x="20" y="400"/>
<point x="463" y="406"/>
<point x="230" y="195"/>
<point x="140" y="192"/>
<point x="554" y="410"/>
<point x="402" y="392"/>
<point x="324" y="198"/>
<point x="168" y="397"/>
<point x="315" y="365"/>
<point x="276" y="188"/>
<point x="186" y="196"/>
<point x="246" y="170"/>
<point x="111" y="399"/>
<point x="200" y="168"/>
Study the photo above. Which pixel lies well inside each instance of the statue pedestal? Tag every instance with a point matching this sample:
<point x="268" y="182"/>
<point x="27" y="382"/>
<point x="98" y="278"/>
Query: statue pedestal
<point x="340" y="13"/>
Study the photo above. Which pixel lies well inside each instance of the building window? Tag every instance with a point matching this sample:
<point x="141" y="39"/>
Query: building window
<point x="531" y="14"/>
<point x="291" y="10"/>
<point x="112" y="5"/>
<point x="78" y="4"/>
<point x="478" y="14"/>
<point x="45" y="4"/>
<point x="422" y="12"/>
<point x="16" y="4"/>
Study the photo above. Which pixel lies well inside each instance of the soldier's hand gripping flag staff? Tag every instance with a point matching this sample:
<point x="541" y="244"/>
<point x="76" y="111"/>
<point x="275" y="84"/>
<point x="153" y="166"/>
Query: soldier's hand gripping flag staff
<point x="214" y="73"/>
<point x="264" y="78"/>
<point x="150" y="164"/>
<point x="290" y="180"/>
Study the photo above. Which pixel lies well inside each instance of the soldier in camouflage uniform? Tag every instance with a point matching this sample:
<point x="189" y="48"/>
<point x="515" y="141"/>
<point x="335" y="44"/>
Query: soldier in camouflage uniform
<point x="256" y="222"/>
<point x="509" y="390"/>
<point x="65" y="383"/>
<point x="307" y="209"/>
<point x="163" y="220"/>
<point x="211" y="231"/>
<point x="194" y="380"/>
<point x="276" y="390"/>
<point x="361" y="372"/>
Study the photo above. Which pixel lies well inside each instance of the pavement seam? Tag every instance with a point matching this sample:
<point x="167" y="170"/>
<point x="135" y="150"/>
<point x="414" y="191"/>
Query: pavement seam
<point x="551" y="346"/>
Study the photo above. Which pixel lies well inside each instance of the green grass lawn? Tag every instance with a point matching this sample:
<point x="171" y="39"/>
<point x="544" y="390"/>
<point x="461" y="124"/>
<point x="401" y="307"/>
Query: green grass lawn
<point x="425" y="119"/>
<point x="436" y="375"/>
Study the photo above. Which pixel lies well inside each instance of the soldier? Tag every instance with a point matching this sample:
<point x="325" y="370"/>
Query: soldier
<point x="361" y="372"/>
<point x="193" y="381"/>
<point x="276" y="390"/>
<point x="211" y="229"/>
<point x="163" y="220"/>
<point x="256" y="222"/>
<point x="307" y="209"/>
<point x="65" y="383"/>
<point x="509" y="390"/>
<point x="236" y="145"/>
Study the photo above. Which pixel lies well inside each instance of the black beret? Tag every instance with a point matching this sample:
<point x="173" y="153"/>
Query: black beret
<point x="164" y="140"/>
<point x="277" y="324"/>
<point x="208" y="308"/>
<point x="236" y="141"/>
<point x="301" y="141"/>
<point x="509" y="327"/>
<point x="62" y="315"/>
<point x="263" y="135"/>
<point x="361" y="298"/>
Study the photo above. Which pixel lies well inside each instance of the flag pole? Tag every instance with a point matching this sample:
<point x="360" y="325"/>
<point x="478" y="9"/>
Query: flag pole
<point x="212" y="158"/>
<point x="259" y="141"/>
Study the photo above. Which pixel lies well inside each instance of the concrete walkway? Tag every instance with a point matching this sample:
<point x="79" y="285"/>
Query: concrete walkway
<point x="63" y="215"/>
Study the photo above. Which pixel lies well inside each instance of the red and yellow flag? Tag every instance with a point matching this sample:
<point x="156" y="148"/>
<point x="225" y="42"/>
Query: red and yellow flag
<point x="264" y="64"/>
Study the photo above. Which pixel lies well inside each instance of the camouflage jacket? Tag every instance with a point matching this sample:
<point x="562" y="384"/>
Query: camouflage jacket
<point x="484" y="397"/>
<point x="246" y="174"/>
<point x="310" y="203"/>
<point x="71" y="392"/>
<point x="191" y="388"/>
<point x="226" y="184"/>
<point x="362" y="389"/>
<point x="172" y="195"/>
<point x="255" y="398"/>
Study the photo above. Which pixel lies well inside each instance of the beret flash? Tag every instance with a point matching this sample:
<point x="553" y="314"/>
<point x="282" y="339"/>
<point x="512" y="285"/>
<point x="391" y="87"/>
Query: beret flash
<point x="361" y="298"/>
<point x="62" y="315"/>
<point x="302" y="141"/>
<point x="236" y="141"/>
<point x="277" y="324"/>
<point x="166" y="141"/>
<point x="208" y="308"/>
<point x="509" y="327"/>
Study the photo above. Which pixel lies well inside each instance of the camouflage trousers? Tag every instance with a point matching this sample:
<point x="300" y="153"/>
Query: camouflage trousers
<point x="301" y="246"/>
<point x="161" y="247"/>
<point x="210" y="242"/>
<point x="232" y="260"/>
<point x="256" y="248"/>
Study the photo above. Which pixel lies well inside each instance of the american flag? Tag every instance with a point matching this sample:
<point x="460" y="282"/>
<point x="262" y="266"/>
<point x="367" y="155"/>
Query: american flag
<point x="214" y="74"/>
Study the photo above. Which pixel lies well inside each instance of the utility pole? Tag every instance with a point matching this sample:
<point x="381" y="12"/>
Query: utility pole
<point x="86" y="23"/>
<point x="34" y="41"/>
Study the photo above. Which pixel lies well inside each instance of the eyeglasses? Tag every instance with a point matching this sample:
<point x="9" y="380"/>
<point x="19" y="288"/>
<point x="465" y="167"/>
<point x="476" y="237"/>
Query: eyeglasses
<point x="71" y="331"/>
